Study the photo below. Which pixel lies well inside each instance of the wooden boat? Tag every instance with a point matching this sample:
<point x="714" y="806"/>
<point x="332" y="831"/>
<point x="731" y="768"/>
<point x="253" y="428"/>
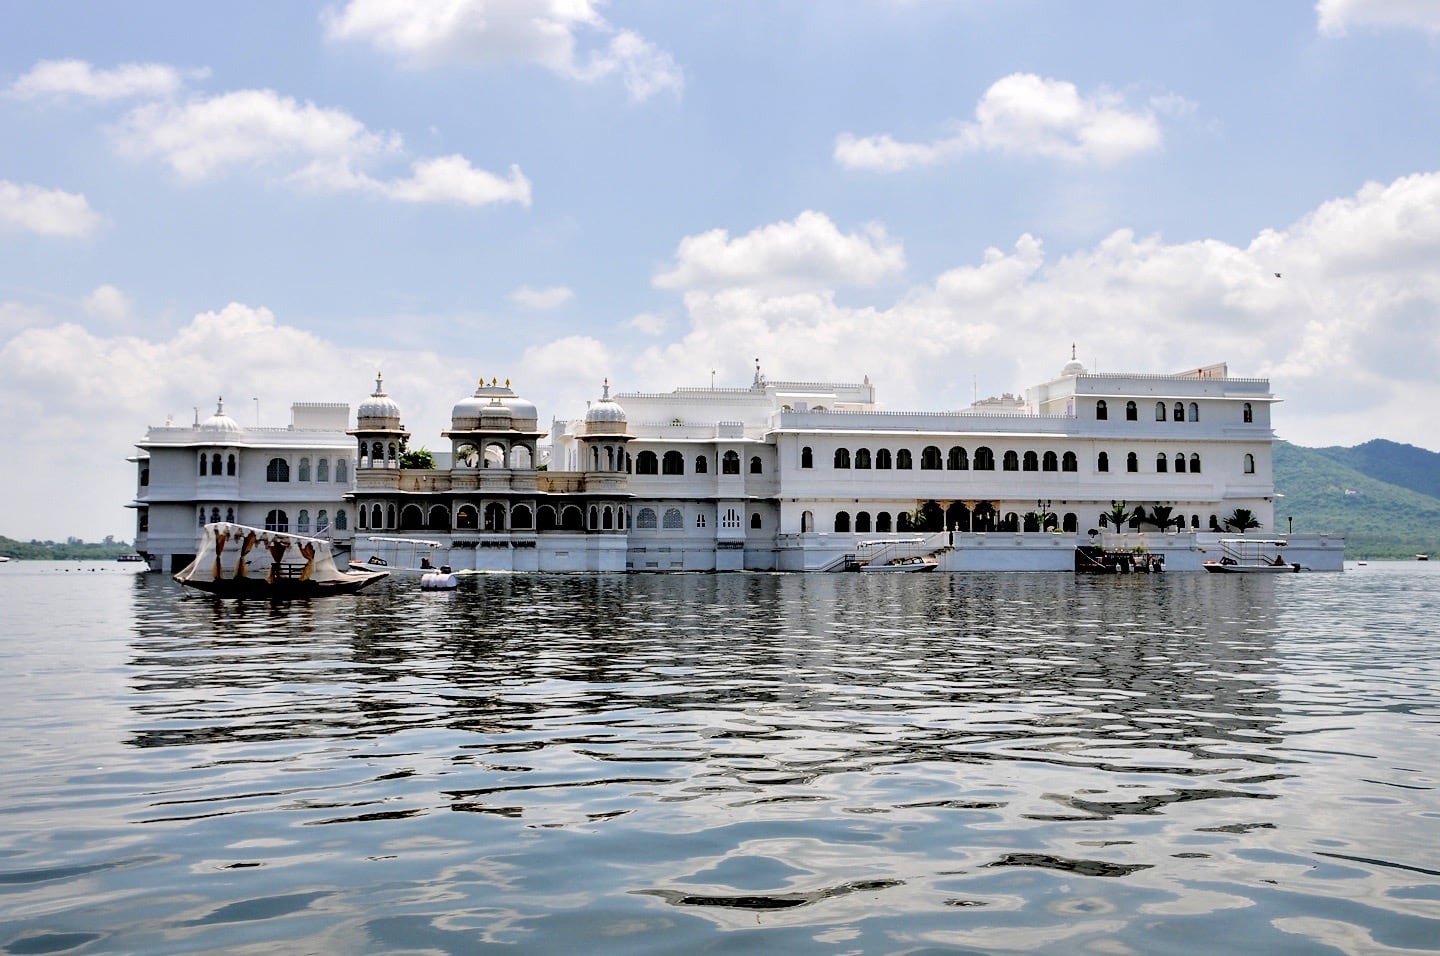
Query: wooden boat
<point x="239" y="561"/>
<point x="1251" y="556"/>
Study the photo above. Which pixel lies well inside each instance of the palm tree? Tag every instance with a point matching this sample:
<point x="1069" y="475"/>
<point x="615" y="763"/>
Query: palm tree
<point x="1242" y="520"/>
<point x="1117" y="516"/>
<point x="1160" y="517"/>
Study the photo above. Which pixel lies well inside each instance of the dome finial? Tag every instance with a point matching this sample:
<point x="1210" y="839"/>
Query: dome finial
<point x="379" y="385"/>
<point x="1072" y="351"/>
<point x="605" y="393"/>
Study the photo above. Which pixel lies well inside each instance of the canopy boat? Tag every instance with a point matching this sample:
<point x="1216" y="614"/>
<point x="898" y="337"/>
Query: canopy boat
<point x="403" y="557"/>
<point x="903" y="565"/>
<point x="1251" y="556"/>
<point x="239" y="561"/>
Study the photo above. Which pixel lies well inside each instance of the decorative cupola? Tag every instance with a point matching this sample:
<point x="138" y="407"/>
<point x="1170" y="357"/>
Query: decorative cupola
<point x="379" y="436"/>
<point x="1073" y="367"/>
<point x="220" y="422"/>
<point x="494" y="428"/>
<point x="603" y="441"/>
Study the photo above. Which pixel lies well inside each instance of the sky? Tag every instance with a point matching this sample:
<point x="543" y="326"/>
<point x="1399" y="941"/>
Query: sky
<point x="271" y="202"/>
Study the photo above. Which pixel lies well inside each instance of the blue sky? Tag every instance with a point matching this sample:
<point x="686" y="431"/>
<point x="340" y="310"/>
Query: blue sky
<point x="272" y="201"/>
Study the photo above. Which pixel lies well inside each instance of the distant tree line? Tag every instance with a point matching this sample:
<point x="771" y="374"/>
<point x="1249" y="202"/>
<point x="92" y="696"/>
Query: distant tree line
<point x="71" y="549"/>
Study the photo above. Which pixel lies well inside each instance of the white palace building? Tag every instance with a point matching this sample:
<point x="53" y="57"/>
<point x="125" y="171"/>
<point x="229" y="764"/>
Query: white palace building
<point x="788" y="476"/>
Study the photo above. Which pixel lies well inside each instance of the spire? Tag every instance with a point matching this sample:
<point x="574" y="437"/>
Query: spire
<point x="1072" y="351"/>
<point x="220" y="405"/>
<point x="379" y="385"/>
<point x="605" y="394"/>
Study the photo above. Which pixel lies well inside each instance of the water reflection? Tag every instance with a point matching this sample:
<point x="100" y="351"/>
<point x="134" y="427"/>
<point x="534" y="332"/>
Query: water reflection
<point x="859" y="762"/>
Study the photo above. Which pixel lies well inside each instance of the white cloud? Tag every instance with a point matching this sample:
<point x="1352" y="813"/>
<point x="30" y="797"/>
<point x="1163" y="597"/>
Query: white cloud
<point x="108" y="303"/>
<point x="1349" y="334"/>
<point x="648" y="323"/>
<point x="546" y="33"/>
<point x="78" y="78"/>
<point x="46" y="212"/>
<point x="202" y="138"/>
<point x="324" y="149"/>
<point x="551" y="298"/>
<point x="567" y="372"/>
<point x="805" y="253"/>
<point x="1024" y="115"/>
<point x="1337" y="16"/>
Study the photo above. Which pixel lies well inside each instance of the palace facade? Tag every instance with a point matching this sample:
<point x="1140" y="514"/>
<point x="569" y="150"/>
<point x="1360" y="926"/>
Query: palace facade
<point x="776" y="476"/>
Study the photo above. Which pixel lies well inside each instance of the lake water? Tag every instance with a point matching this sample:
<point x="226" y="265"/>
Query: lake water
<point x="730" y="763"/>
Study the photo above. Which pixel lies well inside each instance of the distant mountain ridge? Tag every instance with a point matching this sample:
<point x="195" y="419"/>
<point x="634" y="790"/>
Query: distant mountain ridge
<point x="1384" y="495"/>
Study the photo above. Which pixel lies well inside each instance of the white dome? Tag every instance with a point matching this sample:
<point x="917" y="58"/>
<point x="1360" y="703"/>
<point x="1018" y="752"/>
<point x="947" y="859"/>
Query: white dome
<point x="220" y="422"/>
<point x="1072" y="367"/>
<point x="605" y="410"/>
<point x="378" y="405"/>
<point x="497" y="406"/>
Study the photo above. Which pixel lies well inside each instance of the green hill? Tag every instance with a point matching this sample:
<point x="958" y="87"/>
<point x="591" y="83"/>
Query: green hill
<point x="1371" y="492"/>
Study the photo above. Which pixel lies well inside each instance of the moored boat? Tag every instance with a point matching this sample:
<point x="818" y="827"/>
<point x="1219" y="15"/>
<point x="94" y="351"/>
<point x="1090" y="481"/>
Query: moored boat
<point x="1251" y="556"/>
<point x="239" y="561"/>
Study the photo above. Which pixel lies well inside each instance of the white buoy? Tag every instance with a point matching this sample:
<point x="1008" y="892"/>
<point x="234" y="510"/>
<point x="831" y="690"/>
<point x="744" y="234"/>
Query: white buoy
<point x="438" y="581"/>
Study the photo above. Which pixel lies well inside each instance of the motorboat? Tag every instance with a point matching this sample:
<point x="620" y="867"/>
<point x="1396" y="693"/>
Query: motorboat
<point x="240" y="561"/>
<point x="402" y="557"/>
<point x="902" y="565"/>
<point x="1252" y="556"/>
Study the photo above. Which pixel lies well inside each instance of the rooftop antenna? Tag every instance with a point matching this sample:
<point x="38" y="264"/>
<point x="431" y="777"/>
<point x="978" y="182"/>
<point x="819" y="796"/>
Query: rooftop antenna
<point x="712" y="380"/>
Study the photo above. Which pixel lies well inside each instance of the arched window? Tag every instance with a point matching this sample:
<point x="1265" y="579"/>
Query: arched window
<point x="1132" y="412"/>
<point x="1179" y="411"/>
<point x="984" y="459"/>
<point x="1179" y="464"/>
<point x="230" y="465"/>
<point x="341" y="522"/>
<point x="522" y="518"/>
<point x="204" y="464"/>
<point x="882" y="522"/>
<point x="1194" y="412"/>
<point x="389" y="516"/>
<point x="1070" y="523"/>
<point x="439" y="518"/>
<point x="902" y="460"/>
<point x="1249" y="464"/>
<point x="731" y="519"/>
<point x="572" y="519"/>
<point x="700" y="520"/>
<point x="1162" y="464"/>
<point x="862" y="458"/>
<point x="842" y="521"/>
<point x="215" y="515"/>
<point x="1031" y="462"/>
<point x="466" y="518"/>
<point x="522" y="459"/>
<point x="1102" y="461"/>
<point x="645" y="519"/>
<point x="342" y="473"/>
<point x="322" y="469"/>
<point x="302" y="524"/>
<point x="215" y="464"/>
<point x="842" y="458"/>
<point x="363" y="523"/>
<point x="882" y="459"/>
<point x="1247" y="414"/>
<point x="902" y="521"/>
<point x="1132" y="462"/>
<point x="674" y="519"/>
<point x="647" y="464"/>
<point x="730" y="464"/>
<point x="322" y="520"/>
<point x="230" y="514"/>
<point x="1194" y="464"/>
<point x="1051" y="462"/>
<point x="807" y="457"/>
<point x="494" y="516"/>
<point x="277" y="470"/>
<point x="807" y="521"/>
<point x="1102" y="411"/>
<point x="958" y="459"/>
<point x="930" y="459"/>
<point x="200" y="519"/>
<point x="1068" y="462"/>
<point x="304" y="469"/>
<point x="755" y="521"/>
<point x="607" y="519"/>
<point x="702" y="465"/>
<point x="1160" y="415"/>
<point x="756" y="467"/>
<point x="1011" y="461"/>
<point x="277" y="520"/>
<point x="862" y="522"/>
